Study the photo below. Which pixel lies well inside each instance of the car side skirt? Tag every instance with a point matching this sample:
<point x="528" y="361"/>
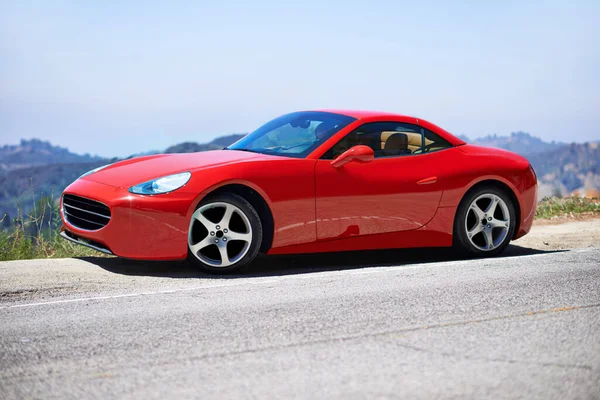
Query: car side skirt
<point x="437" y="233"/>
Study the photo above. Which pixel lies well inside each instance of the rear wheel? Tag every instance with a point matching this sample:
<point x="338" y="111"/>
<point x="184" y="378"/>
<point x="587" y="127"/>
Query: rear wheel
<point x="485" y="222"/>
<point x="225" y="234"/>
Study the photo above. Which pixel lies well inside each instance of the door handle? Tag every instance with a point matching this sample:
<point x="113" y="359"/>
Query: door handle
<point x="427" y="181"/>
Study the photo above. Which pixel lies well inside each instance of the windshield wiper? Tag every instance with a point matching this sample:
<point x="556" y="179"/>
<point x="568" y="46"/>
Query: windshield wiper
<point x="248" y="150"/>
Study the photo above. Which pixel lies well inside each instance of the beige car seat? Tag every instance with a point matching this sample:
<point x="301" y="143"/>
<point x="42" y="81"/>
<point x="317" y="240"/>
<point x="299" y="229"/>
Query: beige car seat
<point x="396" y="144"/>
<point x="414" y="139"/>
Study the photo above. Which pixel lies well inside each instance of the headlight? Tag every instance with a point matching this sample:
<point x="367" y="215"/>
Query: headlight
<point x="94" y="170"/>
<point x="165" y="184"/>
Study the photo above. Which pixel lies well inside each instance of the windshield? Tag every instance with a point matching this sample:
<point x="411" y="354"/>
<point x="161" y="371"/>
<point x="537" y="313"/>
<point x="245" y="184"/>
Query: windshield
<point x="293" y="135"/>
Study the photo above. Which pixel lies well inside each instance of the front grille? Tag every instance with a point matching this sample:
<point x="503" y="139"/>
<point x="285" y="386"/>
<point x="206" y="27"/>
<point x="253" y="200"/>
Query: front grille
<point x="85" y="213"/>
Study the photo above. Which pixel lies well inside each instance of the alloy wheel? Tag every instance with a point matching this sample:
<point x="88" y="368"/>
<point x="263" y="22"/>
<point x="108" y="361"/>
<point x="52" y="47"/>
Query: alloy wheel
<point x="487" y="222"/>
<point x="220" y="234"/>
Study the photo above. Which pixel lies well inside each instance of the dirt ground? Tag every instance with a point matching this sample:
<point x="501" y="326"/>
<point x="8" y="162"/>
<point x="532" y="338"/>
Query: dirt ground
<point x="565" y="232"/>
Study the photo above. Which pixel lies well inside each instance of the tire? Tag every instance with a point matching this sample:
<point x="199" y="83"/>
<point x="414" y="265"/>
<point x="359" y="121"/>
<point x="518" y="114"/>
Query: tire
<point x="473" y="237"/>
<point x="225" y="234"/>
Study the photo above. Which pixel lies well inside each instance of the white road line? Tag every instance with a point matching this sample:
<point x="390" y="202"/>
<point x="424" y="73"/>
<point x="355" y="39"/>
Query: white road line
<point x="117" y="296"/>
<point x="308" y="275"/>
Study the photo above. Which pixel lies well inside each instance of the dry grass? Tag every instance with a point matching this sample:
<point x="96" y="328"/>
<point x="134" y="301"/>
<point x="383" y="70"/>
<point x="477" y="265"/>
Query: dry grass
<point x="36" y="235"/>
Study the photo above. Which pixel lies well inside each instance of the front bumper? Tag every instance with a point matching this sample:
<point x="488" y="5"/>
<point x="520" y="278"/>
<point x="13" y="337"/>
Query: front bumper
<point x="141" y="227"/>
<point x="84" y="242"/>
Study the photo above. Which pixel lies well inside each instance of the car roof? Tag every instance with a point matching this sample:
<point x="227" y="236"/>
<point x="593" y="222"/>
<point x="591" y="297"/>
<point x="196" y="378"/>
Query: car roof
<point x="364" y="113"/>
<point x="361" y="114"/>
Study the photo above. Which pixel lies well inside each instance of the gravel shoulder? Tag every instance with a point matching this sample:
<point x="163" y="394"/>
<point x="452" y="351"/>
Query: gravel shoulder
<point x="562" y="233"/>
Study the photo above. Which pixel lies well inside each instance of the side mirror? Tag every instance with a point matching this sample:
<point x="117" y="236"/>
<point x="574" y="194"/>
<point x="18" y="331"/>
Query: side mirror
<point x="360" y="154"/>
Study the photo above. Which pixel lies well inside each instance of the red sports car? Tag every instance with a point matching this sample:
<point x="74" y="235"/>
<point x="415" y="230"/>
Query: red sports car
<point x="311" y="181"/>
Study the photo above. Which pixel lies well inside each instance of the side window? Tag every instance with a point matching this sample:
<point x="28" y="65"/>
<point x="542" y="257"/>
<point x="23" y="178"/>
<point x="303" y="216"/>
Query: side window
<point x="390" y="139"/>
<point x="434" y="142"/>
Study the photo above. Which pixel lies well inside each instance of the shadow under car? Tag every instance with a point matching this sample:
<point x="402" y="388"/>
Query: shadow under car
<point x="265" y="265"/>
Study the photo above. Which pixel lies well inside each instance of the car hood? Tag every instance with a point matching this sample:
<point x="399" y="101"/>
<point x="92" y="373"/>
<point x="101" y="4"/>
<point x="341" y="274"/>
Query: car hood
<point x="131" y="172"/>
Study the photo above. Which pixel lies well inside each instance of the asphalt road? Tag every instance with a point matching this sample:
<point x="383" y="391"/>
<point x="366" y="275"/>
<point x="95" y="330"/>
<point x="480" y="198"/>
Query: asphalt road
<point x="403" y="324"/>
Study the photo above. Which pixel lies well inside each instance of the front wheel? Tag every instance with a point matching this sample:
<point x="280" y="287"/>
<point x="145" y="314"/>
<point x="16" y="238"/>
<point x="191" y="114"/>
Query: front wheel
<point x="485" y="222"/>
<point x="225" y="234"/>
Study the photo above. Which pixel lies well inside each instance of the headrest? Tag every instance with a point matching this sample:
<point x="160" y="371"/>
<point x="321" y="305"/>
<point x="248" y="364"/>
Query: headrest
<point x="396" y="144"/>
<point x="414" y="139"/>
<point x="397" y="140"/>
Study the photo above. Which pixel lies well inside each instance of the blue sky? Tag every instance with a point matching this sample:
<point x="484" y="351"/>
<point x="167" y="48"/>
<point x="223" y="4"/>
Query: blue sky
<point x="115" y="78"/>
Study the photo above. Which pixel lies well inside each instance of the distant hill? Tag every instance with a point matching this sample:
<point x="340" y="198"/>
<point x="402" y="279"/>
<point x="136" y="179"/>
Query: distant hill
<point x="36" y="152"/>
<point x="39" y="166"/>
<point x="519" y="142"/>
<point x="17" y="186"/>
<point x="562" y="169"/>
<point x="567" y="169"/>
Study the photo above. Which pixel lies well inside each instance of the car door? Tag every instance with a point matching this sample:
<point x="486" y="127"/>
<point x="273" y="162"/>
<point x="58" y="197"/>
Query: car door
<point x="397" y="191"/>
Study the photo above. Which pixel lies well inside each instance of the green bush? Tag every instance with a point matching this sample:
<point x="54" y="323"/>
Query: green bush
<point x="36" y="235"/>
<point x="557" y="206"/>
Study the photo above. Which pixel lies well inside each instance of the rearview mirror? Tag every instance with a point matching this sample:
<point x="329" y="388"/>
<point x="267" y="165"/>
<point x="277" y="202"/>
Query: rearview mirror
<point x="360" y="154"/>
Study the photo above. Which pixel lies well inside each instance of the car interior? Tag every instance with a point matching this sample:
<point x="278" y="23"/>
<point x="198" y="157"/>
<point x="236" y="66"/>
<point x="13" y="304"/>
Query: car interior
<point x="391" y="143"/>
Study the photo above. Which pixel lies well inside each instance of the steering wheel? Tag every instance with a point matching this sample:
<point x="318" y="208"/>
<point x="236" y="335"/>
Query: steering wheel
<point x="428" y="147"/>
